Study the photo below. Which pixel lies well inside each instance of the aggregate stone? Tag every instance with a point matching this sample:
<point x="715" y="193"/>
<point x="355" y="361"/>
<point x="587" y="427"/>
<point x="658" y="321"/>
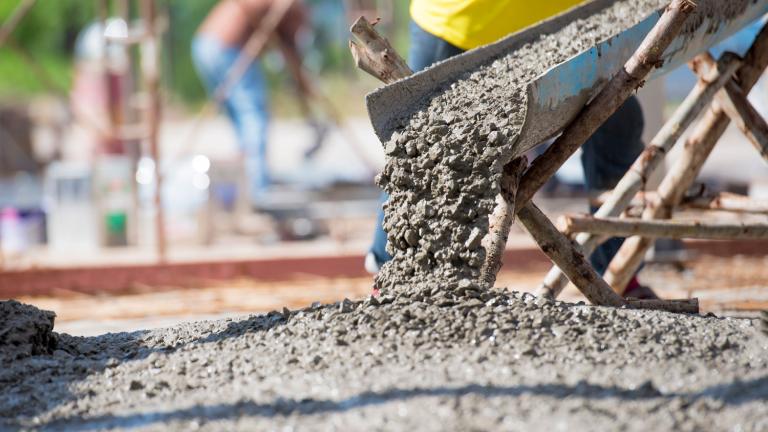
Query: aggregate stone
<point x="437" y="351"/>
<point x="469" y="127"/>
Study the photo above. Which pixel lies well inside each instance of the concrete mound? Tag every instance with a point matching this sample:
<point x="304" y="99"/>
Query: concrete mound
<point x="458" y="359"/>
<point x="25" y="330"/>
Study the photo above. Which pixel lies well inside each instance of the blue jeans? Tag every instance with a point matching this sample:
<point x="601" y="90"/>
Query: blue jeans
<point x="245" y="105"/>
<point x="606" y="156"/>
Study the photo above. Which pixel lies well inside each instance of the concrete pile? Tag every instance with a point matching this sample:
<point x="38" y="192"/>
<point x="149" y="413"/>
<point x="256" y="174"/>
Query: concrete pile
<point x="492" y="360"/>
<point x="25" y="331"/>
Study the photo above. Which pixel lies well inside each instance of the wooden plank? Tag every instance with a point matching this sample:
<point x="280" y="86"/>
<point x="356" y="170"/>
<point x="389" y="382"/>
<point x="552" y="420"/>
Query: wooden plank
<point x="619" y="227"/>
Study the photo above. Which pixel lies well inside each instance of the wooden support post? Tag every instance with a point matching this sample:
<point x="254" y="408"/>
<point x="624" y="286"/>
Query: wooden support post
<point x="696" y="151"/>
<point x="566" y="255"/>
<point x="727" y="202"/>
<point x="150" y="67"/>
<point x="501" y="220"/>
<point x="741" y="112"/>
<point x="722" y="201"/>
<point x="559" y="248"/>
<point x="614" y="94"/>
<point x="618" y="227"/>
<point x="374" y="54"/>
<point x="651" y="158"/>
<point x="690" y="306"/>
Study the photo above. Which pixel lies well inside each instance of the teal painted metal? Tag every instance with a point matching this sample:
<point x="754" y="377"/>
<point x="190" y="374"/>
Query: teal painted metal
<point x="556" y="96"/>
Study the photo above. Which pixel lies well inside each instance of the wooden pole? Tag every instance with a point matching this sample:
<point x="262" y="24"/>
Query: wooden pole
<point x="150" y="58"/>
<point x="375" y="55"/>
<point x="619" y="227"/>
<point x="696" y="151"/>
<point x="566" y="255"/>
<point x="631" y="77"/>
<point x="690" y="306"/>
<point x="650" y="159"/>
<point x="501" y="221"/>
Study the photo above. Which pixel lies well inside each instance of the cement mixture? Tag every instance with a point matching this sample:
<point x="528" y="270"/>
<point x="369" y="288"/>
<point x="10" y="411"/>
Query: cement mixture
<point x="25" y="330"/>
<point x="491" y="360"/>
<point x="444" y="161"/>
<point x="435" y="352"/>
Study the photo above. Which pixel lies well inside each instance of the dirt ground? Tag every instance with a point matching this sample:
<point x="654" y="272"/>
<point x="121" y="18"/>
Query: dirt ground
<point x="725" y="286"/>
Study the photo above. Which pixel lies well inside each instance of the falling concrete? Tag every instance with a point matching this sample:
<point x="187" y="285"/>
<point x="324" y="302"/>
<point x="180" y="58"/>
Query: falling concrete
<point x="444" y="164"/>
<point x="444" y="160"/>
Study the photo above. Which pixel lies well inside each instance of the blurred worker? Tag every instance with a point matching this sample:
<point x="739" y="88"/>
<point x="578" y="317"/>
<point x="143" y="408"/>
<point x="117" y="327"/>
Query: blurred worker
<point x="217" y="46"/>
<point x="444" y="28"/>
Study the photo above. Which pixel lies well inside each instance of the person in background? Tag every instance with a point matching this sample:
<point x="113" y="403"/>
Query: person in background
<point x="218" y="44"/>
<point x="441" y="29"/>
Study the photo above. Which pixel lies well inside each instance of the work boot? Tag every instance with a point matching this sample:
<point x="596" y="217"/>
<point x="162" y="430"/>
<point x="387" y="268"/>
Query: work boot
<point x="638" y="291"/>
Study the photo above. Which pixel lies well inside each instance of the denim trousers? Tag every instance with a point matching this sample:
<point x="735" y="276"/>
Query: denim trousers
<point x="245" y="105"/>
<point x="606" y="156"/>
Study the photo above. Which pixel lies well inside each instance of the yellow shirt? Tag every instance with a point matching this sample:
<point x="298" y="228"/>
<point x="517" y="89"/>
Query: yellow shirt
<point x="470" y="23"/>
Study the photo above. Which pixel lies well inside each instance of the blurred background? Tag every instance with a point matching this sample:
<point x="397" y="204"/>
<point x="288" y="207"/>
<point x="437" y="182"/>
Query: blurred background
<point x="124" y="203"/>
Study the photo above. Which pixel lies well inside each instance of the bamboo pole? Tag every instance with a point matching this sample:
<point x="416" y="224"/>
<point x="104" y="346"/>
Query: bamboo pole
<point x="650" y="159"/>
<point x="620" y="227"/>
<point x="741" y="112"/>
<point x="375" y="55"/>
<point x="628" y="79"/>
<point x="568" y="256"/>
<point x="696" y="151"/>
<point x="727" y="202"/>
<point x="722" y="201"/>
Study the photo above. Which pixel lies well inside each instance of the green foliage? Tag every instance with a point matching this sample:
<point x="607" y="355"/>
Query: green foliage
<point x="180" y="77"/>
<point x="49" y="31"/>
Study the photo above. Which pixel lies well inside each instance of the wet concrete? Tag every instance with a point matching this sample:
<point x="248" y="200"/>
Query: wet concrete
<point x="25" y="331"/>
<point x="436" y="351"/>
<point x="444" y="162"/>
<point x="494" y="360"/>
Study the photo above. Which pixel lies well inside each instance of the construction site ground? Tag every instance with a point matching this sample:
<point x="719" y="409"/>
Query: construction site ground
<point x="500" y="360"/>
<point x="726" y="286"/>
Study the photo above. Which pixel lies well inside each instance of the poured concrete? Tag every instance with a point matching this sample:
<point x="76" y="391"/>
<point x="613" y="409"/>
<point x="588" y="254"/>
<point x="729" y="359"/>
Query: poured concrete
<point x="484" y="361"/>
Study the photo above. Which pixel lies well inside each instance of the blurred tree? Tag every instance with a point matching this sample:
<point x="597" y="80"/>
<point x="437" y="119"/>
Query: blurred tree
<point x="48" y="34"/>
<point x="50" y="29"/>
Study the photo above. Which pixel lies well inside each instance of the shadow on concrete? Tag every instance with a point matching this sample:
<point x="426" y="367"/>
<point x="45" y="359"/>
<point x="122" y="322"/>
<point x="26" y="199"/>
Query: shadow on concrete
<point x="736" y="393"/>
<point x="24" y="381"/>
